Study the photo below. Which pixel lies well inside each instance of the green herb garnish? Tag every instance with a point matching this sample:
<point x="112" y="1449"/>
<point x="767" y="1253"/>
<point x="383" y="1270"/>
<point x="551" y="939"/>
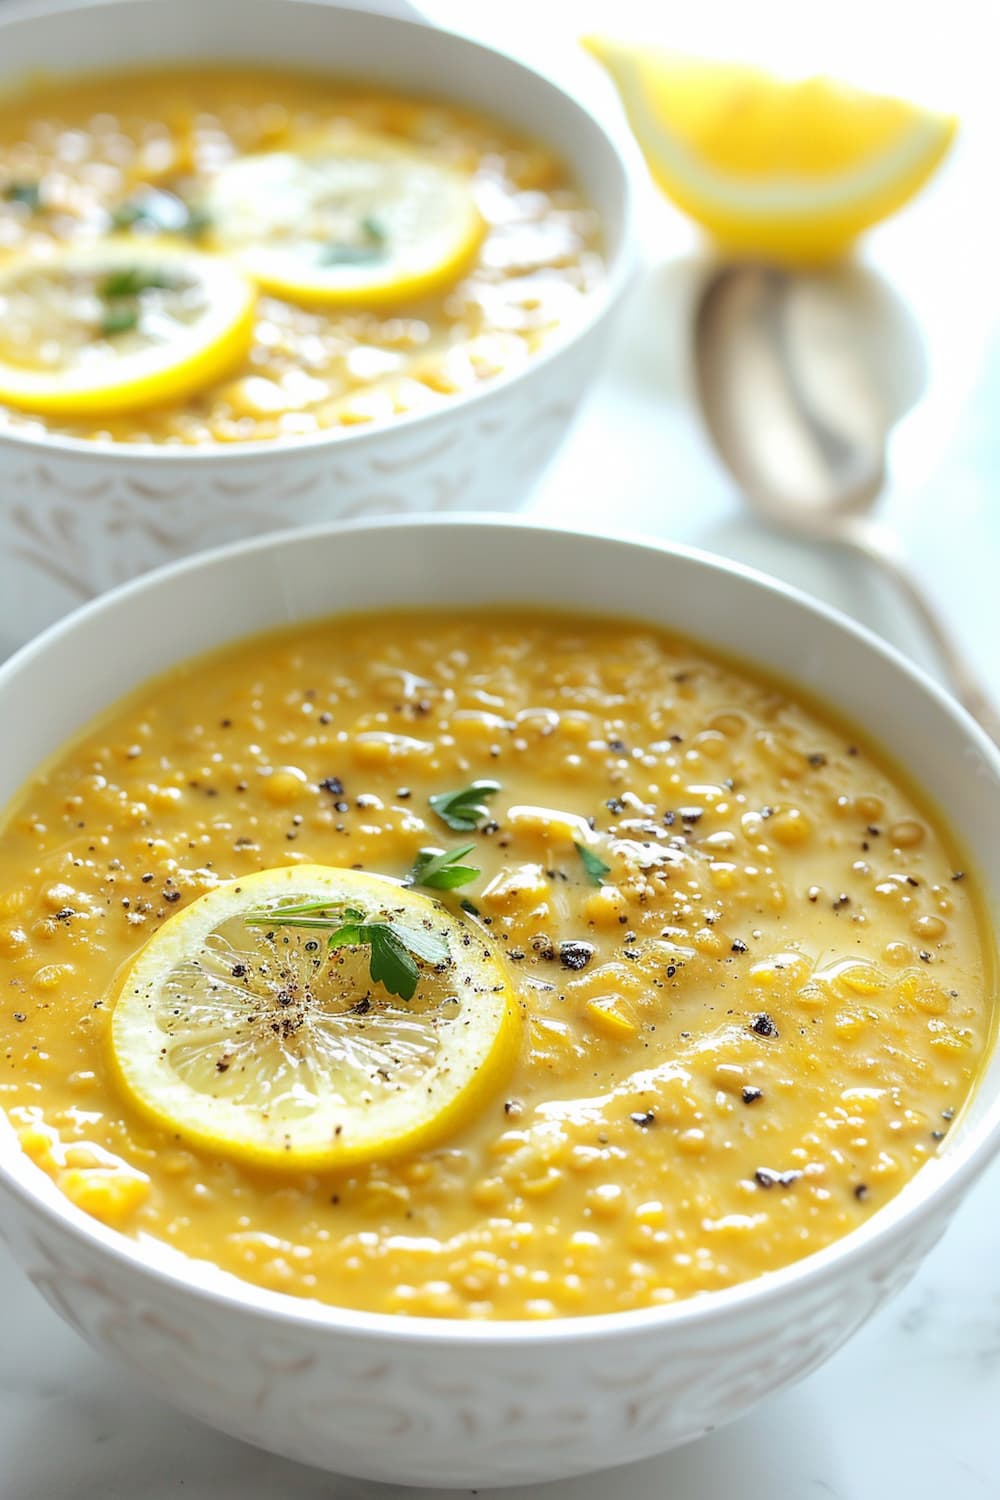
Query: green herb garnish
<point x="395" y="946"/>
<point x="439" y="871"/>
<point x="349" y="255"/>
<point x="28" y="193"/>
<point x="594" y="868"/>
<point x="371" y="249"/>
<point x="121" y="318"/>
<point x="132" y="281"/>
<point x="162" y="211"/>
<point x="121" y="290"/>
<point x="199" y="222"/>
<point x="465" y="809"/>
<point x="374" y="229"/>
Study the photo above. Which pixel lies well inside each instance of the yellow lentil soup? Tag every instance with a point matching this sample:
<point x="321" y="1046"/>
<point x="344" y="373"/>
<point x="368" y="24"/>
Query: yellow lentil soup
<point x="401" y="251"/>
<point x="753" y="984"/>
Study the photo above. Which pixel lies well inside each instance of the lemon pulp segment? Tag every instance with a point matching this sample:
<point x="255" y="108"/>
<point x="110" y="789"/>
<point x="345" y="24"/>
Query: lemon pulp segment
<point x="349" y="218"/>
<point x="118" y="327"/>
<point x="793" y="170"/>
<point x="262" y="1044"/>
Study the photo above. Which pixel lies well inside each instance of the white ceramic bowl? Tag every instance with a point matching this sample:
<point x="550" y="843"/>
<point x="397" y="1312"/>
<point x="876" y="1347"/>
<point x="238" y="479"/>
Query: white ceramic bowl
<point x="422" y="1401"/>
<point x="78" y="517"/>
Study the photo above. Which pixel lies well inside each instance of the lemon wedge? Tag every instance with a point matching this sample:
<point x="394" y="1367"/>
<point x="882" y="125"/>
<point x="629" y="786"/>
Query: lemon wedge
<point x="239" y="1027"/>
<point x="346" y="218"/>
<point x="790" y="171"/>
<point x="117" y="327"/>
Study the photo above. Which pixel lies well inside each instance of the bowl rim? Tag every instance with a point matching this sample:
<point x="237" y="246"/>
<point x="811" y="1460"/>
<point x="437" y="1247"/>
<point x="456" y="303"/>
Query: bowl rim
<point x="938" y="1183"/>
<point x="620" y="269"/>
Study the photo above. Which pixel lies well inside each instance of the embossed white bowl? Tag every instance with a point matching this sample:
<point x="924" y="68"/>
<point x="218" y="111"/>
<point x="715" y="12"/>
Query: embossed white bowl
<point x="78" y="517"/>
<point x="420" y="1401"/>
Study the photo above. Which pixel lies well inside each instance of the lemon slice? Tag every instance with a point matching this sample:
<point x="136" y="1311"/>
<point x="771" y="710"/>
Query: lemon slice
<point x="117" y="327"/>
<point x="793" y="171"/>
<point x="346" y="218"/>
<point x="256" y="1040"/>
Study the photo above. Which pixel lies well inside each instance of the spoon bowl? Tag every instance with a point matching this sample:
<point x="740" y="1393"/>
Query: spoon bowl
<point x="800" y="415"/>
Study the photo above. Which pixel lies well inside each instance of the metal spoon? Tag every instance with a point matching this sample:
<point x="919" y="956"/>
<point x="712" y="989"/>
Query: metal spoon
<point x="796" y="416"/>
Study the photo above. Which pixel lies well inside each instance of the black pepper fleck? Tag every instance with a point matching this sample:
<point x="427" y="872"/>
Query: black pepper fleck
<point x="763" y="1025"/>
<point x="751" y="1095"/>
<point x="575" y="955"/>
<point x="769" y="1179"/>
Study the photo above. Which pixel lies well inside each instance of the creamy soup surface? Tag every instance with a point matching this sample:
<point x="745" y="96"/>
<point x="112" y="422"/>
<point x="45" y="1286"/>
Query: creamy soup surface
<point x="740" y="1039"/>
<point x="120" y="159"/>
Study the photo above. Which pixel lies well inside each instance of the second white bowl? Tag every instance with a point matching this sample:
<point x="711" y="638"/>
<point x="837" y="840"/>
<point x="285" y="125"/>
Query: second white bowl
<point x="78" y="517"/>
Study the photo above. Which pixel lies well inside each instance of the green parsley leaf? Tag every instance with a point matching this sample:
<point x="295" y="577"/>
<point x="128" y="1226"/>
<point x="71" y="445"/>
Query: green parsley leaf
<point x="121" y="318"/>
<point x="390" y="964"/>
<point x="465" y="809"/>
<point x="374" y="229"/>
<point x="28" y="193"/>
<point x="394" y="945"/>
<point x="594" y="868"/>
<point x="132" y="281"/>
<point x="199" y="222"/>
<point x="162" y="211"/>
<point x="427" y="944"/>
<point x="440" y="871"/>
<point x="347" y="936"/>
<point x="350" y="255"/>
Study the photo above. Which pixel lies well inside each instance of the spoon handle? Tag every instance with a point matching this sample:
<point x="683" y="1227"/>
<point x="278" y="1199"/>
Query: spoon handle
<point x="880" y="545"/>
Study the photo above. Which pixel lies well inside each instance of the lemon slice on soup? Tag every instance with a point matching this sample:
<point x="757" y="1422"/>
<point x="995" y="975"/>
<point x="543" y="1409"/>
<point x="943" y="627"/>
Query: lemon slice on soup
<point x="313" y="1017"/>
<point x="118" y="327"/>
<point x="347" y="218"/>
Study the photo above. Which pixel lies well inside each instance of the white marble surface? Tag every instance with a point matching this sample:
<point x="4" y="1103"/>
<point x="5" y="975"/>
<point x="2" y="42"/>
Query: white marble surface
<point x="908" y="1410"/>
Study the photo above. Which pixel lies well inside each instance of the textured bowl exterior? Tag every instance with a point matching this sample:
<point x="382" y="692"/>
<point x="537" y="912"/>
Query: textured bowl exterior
<point x="427" y="1402"/>
<point x="73" y="525"/>
<point x="422" y="1411"/>
<point x="77" y="518"/>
